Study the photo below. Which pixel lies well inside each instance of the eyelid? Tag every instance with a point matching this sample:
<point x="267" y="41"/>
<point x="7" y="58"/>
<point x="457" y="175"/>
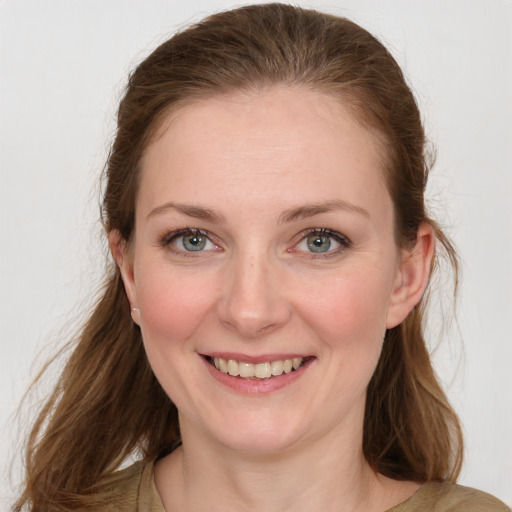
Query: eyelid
<point x="166" y="241"/>
<point x="343" y="240"/>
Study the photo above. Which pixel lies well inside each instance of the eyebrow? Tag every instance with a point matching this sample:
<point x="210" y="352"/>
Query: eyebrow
<point x="309" y="210"/>
<point x="291" y="215"/>
<point x="192" y="211"/>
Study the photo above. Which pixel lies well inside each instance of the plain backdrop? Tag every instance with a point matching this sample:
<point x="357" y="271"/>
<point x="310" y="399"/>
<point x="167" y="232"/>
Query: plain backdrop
<point x="63" y="65"/>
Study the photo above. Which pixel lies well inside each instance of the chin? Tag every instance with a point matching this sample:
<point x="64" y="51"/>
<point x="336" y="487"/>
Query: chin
<point x="257" y="435"/>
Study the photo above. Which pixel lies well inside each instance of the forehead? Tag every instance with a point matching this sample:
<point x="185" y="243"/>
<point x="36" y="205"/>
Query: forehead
<point x="279" y="144"/>
<point x="265" y="106"/>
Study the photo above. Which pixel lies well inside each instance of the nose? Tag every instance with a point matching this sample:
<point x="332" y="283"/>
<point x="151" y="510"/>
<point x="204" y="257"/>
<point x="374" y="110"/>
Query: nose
<point x="253" y="301"/>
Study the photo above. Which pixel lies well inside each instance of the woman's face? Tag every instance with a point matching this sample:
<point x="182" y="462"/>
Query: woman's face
<point x="263" y="240"/>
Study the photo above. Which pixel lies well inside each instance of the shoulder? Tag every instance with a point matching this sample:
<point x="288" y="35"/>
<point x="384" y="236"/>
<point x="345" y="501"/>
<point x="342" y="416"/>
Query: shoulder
<point x="128" y="490"/>
<point x="448" y="497"/>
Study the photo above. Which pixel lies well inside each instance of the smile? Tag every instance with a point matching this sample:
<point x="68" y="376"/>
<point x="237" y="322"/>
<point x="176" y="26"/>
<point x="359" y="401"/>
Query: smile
<point x="262" y="370"/>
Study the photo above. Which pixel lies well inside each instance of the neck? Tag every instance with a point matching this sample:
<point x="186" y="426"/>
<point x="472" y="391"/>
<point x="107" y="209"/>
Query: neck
<point x="327" y="474"/>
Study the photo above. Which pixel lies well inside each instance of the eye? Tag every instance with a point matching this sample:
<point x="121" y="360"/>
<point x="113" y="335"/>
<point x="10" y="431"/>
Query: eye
<point x="189" y="240"/>
<point x="322" y="242"/>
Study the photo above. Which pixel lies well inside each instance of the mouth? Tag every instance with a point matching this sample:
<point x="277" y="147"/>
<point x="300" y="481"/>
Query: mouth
<point x="257" y="371"/>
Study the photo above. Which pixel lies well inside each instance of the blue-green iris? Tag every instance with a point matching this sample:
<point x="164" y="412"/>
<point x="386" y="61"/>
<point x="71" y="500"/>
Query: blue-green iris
<point x="319" y="243"/>
<point x="194" y="242"/>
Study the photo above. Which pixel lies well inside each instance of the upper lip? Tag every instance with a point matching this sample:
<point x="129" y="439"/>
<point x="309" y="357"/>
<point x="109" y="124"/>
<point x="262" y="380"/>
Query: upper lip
<point x="246" y="358"/>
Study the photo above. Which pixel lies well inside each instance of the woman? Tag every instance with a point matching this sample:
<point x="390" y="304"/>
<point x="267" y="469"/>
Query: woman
<point x="259" y="340"/>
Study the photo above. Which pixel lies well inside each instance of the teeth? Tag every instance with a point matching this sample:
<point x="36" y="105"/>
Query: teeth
<point x="246" y="370"/>
<point x="223" y="365"/>
<point x="263" y="370"/>
<point x="276" y="367"/>
<point x="296" y="362"/>
<point x="233" y="368"/>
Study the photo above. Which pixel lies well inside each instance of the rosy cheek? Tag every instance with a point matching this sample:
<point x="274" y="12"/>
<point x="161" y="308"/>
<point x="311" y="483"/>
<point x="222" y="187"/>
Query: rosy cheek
<point x="345" y="309"/>
<point x="172" y="308"/>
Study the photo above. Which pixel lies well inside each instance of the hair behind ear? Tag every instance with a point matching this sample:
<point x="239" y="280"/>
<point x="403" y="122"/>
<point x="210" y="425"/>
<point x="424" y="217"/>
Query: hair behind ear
<point x="410" y="429"/>
<point x="107" y="397"/>
<point x="411" y="432"/>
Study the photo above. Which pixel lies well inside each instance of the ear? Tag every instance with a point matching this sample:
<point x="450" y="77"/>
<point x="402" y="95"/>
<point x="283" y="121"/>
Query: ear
<point x="412" y="278"/>
<point x="123" y="257"/>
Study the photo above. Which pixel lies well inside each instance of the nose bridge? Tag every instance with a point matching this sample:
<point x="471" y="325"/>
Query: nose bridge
<point x="251" y="302"/>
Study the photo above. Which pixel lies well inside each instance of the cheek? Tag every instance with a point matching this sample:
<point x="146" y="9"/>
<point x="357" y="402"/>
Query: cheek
<point x="173" y="305"/>
<point x="347" y="309"/>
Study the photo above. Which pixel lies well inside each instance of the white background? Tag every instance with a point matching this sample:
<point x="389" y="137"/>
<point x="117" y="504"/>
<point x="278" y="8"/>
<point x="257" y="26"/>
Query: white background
<point x="62" y="68"/>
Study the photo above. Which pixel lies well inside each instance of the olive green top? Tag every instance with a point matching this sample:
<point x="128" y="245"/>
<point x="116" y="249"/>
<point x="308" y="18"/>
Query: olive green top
<point x="133" y="490"/>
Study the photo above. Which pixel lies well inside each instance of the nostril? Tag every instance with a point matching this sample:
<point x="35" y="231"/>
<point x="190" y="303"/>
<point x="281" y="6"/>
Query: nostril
<point x="253" y="319"/>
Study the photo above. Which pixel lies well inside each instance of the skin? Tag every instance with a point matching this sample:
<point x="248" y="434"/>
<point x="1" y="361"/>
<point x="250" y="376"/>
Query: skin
<point x="259" y="171"/>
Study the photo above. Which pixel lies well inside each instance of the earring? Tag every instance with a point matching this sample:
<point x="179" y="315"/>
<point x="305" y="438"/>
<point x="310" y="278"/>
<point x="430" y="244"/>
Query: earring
<point x="135" y="312"/>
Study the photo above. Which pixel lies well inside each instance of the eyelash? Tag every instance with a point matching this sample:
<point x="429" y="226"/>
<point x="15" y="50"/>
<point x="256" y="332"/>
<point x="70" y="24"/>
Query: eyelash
<point x="167" y="240"/>
<point x="345" y="243"/>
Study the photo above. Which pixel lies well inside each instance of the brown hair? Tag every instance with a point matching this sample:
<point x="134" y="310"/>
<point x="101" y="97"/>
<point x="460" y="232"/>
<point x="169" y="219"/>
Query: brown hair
<point x="107" y="403"/>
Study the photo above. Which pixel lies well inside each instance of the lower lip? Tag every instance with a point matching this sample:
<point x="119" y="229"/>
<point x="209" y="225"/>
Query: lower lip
<point x="257" y="386"/>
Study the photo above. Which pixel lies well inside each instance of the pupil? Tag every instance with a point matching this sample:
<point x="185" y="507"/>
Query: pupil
<point x="194" y="242"/>
<point x="319" y="243"/>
